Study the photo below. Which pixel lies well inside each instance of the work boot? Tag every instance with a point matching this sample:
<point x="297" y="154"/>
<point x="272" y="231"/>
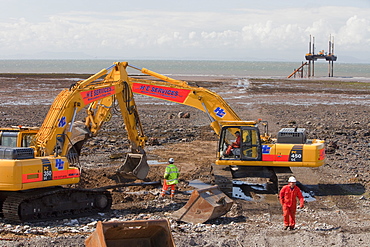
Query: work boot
<point x="285" y="227"/>
<point x="291" y="228"/>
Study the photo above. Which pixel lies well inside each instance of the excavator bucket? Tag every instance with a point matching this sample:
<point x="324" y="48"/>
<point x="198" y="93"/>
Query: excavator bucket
<point x="204" y="204"/>
<point x="140" y="233"/>
<point x="135" y="166"/>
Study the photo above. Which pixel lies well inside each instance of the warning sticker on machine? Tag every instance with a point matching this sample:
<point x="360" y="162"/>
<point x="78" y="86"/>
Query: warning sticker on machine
<point x="296" y="154"/>
<point x="47" y="172"/>
<point x="96" y="94"/>
<point x="167" y="93"/>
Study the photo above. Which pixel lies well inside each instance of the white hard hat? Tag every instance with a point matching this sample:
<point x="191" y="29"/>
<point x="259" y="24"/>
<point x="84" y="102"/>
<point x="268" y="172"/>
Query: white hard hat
<point x="171" y="160"/>
<point x="292" y="180"/>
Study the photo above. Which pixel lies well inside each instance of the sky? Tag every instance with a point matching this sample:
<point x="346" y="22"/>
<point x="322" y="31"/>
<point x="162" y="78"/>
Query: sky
<point x="246" y="30"/>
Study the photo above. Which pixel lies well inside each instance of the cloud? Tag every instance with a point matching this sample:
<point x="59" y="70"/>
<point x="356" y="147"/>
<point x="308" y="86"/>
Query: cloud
<point x="355" y="32"/>
<point x="238" y="34"/>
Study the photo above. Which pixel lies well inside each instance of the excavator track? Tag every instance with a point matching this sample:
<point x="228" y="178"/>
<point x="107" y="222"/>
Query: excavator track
<point x="224" y="175"/>
<point x="282" y="176"/>
<point x="54" y="203"/>
<point x="223" y="178"/>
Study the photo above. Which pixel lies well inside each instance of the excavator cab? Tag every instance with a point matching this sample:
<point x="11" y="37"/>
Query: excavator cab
<point x="17" y="136"/>
<point x="240" y="143"/>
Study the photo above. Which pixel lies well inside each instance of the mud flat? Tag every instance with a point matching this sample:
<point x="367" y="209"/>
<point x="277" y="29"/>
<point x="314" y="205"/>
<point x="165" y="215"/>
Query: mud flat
<point x="337" y="211"/>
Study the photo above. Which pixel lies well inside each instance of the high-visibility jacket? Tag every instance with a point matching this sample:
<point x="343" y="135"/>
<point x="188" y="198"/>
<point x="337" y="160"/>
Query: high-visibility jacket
<point x="288" y="196"/>
<point x="171" y="174"/>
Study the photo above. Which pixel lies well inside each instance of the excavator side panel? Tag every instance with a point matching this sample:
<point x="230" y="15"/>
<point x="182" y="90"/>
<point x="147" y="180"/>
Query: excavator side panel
<point x="31" y="173"/>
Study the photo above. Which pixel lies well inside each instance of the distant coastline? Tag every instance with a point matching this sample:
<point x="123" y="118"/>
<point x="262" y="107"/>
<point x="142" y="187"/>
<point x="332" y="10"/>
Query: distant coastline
<point x="177" y="68"/>
<point x="199" y="80"/>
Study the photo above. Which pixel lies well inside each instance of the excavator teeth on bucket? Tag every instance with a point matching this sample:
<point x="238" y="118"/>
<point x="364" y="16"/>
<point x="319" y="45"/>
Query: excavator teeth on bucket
<point x="151" y="233"/>
<point x="135" y="166"/>
<point x="204" y="204"/>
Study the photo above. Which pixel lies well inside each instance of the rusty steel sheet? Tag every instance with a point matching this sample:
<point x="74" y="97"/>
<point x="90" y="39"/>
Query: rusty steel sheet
<point x="139" y="233"/>
<point x="204" y="204"/>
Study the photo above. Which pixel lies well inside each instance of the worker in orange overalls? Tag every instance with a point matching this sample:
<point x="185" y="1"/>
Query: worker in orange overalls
<point x="288" y="199"/>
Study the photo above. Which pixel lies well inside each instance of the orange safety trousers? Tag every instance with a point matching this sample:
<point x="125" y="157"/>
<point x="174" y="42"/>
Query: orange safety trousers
<point x="166" y="187"/>
<point x="289" y="215"/>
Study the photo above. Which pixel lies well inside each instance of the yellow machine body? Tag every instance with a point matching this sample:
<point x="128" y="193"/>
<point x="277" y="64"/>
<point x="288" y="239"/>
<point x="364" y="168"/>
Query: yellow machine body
<point x="34" y="173"/>
<point x="290" y="149"/>
<point x="285" y="155"/>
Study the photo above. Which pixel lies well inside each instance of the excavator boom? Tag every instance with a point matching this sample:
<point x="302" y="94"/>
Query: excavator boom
<point x="177" y="91"/>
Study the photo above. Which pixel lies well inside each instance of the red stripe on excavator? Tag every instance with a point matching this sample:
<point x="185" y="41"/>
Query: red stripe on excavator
<point x="37" y="177"/>
<point x="66" y="174"/>
<point x="96" y="94"/>
<point x="166" y="93"/>
<point x="322" y="154"/>
<point x="272" y="157"/>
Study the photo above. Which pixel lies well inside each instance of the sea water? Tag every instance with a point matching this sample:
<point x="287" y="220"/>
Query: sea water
<point x="186" y="67"/>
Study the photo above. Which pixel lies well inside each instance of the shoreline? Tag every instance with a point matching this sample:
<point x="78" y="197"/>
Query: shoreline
<point x="186" y="77"/>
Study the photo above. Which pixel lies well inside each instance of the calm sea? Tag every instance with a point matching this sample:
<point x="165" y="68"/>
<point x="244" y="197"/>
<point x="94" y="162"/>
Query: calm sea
<point x="186" y="67"/>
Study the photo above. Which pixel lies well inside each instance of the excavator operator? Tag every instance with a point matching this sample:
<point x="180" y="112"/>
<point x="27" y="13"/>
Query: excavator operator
<point x="235" y="144"/>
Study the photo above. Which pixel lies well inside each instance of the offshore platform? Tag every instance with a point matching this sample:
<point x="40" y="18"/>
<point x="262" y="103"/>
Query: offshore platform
<point x="311" y="57"/>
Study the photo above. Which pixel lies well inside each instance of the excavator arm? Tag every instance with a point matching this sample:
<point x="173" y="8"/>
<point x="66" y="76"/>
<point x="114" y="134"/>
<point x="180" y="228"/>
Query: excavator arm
<point x="59" y="133"/>
<point x="100" y="96"/>
<point x="217" y="109"/>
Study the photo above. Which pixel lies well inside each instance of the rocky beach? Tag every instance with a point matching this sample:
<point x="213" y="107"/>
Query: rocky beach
<point x="337" y="210"/>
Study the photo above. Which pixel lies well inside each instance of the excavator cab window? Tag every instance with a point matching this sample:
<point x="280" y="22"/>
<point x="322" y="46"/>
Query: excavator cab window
<point x="241" y="143"/>
<point x="9" y="139"/>
<point x="27" y="139"/>
<point x="251" y="144"/>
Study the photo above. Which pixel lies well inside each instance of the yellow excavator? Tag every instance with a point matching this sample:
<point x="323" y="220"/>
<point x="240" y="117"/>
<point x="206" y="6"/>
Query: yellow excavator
<point x="243" y="151"/>
<point x="36" y="162"/>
